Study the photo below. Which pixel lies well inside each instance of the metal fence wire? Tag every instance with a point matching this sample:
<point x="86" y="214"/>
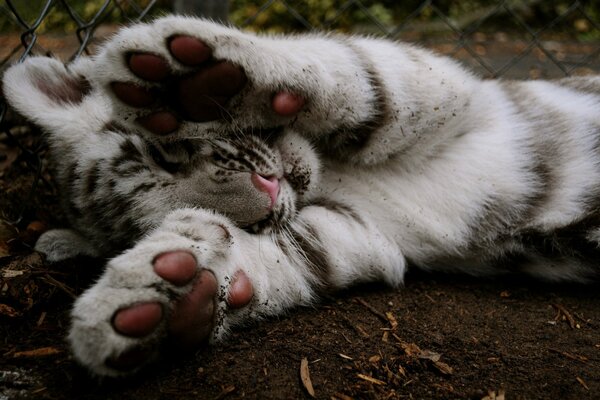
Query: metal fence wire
<point x="506" y="38"/>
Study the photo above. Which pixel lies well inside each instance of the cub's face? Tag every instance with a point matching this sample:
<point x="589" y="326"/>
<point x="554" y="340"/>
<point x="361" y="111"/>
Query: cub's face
<point x="257" y="181"/>
<point x="118" y="183"/>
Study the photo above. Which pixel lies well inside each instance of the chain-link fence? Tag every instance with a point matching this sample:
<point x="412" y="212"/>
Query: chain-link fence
<point x="507" y="38"/>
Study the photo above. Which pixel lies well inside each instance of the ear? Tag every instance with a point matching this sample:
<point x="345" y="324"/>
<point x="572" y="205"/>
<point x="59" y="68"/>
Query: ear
<point x="53" y="96"/>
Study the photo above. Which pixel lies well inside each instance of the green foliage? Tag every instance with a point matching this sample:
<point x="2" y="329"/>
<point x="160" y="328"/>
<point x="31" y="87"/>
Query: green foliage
<point x="344" y="15"/>
<point x="58" y="17"/>
<point x="283" y="16"/>
<point x="371" y="16"/>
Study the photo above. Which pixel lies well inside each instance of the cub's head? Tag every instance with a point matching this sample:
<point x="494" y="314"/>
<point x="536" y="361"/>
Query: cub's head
<point x="257" y="180"/>
<point x="117" y="184"/>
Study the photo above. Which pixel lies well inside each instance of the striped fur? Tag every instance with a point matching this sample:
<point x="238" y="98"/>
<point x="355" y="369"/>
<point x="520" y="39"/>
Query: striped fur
<point x="400" y="157"/>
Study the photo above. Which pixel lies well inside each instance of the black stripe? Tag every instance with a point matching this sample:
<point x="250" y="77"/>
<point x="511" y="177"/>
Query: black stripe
<point x="347" y="140"/>
<point x="338" y="208"/>
<point x="225" y="157"/>
<point x="126" y="233"/>
<point x="146" y="186"/>
<point x="129" y="152"/>
<point x="159" y="159"/>
<point x="546" y="131"/>
<point x="310" y="247"/>
<point x="581" y="84"/>
<point x="114" y="126"/>
<point x="70" y="192"/>
<point x="130" y="169"/>
<point x="71" y="90"/>
<point x="569" y="241"/>
<point x="545" y="184"/>
<point x="91" y="179"/>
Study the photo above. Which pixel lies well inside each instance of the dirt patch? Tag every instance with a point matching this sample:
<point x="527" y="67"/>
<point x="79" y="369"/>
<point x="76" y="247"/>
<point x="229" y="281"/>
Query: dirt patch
<point x="438" y="337"/>
<point x="454" y="338"/>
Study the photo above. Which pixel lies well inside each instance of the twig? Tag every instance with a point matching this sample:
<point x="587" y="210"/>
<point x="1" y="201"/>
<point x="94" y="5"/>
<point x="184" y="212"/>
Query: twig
<point x="226" y="390"/>
<point x="375" y="311"/>
<point x="585" y="321"/>
<point x="60" y="285"/>
<point x="575" y="357"/>
<point x="564" y="312"/>
<point x="356" y="328"/>
<point x="371" y="379"/>
<point x="582" y="383"/>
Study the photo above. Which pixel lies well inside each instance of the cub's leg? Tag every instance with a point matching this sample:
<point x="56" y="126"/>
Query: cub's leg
<point x="175" y="72"/>
<point x="121" y="322"/>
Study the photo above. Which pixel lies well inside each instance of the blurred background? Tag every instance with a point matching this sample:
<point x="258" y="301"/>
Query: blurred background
<point x="510" y="38"/>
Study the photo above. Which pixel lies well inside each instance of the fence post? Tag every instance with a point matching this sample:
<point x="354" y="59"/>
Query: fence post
<point x="214" y="9"/>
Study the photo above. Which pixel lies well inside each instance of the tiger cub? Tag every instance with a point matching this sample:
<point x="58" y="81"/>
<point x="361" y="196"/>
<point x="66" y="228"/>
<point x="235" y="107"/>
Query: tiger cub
<point x="309" y="163"/>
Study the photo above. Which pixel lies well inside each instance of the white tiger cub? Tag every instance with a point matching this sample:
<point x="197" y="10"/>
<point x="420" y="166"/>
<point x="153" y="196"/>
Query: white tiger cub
<point x="167" y="140"/>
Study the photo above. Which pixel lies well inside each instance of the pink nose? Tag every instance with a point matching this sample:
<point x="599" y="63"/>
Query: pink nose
<point x="269" y="185"/>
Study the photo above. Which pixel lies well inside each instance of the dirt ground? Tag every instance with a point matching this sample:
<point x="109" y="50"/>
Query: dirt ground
<point x="439" y="337"/>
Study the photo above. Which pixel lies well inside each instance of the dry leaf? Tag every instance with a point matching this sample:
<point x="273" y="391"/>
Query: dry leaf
<point x="392" y="320"/>
<point x="429" y="355"/>
<point x="10" y="155"/>
<point x="41" y="352"/>
<point x="385" y="337"/>
<point x="305" y="377"/>
<point x="9" y="273"/>
<point x="564" y="314"/>
<point x="402" y="371"/>
<point x="493" y="396"/>
<point x="375" y="359"/>
<point x="411" y="349"/>
<point x="225" y="391"/>
<point x="571" y="356"/>
<point x="8" y="311"/>
<point x="443" y="367"/>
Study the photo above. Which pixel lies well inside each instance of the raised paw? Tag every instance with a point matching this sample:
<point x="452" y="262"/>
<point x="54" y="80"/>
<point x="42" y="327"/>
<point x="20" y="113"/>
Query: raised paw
<point x="199" y="96"/>
<point x="188" y="79"/>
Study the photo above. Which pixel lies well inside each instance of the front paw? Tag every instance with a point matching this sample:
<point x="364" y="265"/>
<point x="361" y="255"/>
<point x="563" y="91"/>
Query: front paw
<point x="160" y="289"/>
<point x="173" y="73"/>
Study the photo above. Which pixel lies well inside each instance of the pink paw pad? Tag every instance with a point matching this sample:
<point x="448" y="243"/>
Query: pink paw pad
<point x="199" y="96"/>
<point x="189" y="50"/>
